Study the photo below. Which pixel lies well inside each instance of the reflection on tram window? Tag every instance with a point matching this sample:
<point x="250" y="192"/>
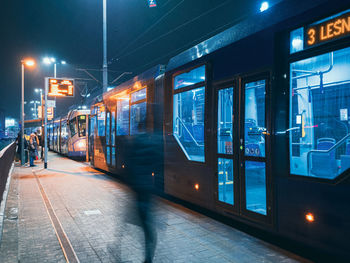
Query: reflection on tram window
<point x="254" y="123"/>
<point x="189" y="78"/>
<point x="188" y="122"/>
<point x="108" y="154"/>
<point x="138" y="118"/>
<point x="113" y="128"/>
<point x="225" y="180"/>
<point x="101" y="122"/>
<point x="297" y="40"/>
<point x="113" y="157"/>
<point x="73" y="127"/>
<point x="107" y="127"/>
<point x="255" y="187"/>
<point x="138" y="95"/>
<point x="319" y="115"/>
<point x="225" y="117"/>
<point x="123" y="117"/>
<point x="82" y="125"/>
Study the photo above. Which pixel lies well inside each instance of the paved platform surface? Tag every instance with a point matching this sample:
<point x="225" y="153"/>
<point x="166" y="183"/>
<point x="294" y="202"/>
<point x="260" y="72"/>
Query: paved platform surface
<point x="90" y="211"/>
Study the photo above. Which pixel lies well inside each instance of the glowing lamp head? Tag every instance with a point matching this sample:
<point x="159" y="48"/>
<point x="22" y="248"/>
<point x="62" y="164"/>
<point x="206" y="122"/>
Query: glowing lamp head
<point x="29" y="62"/>
<point x="264" y="6"/>
<point x="47" y="60"/>
<point x="310" y="217"/>
<point x="63" y="62"/>
<point x="196" y="186"/>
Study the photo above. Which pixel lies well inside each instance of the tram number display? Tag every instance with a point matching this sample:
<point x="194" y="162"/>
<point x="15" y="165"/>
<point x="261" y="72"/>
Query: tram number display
<point x="328" y="30"/>
<point x="61" y="87"/>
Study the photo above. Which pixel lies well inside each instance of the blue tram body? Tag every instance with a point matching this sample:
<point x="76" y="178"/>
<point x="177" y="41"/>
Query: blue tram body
<point x="67" y="135"/>
<point x="255" y="123"/>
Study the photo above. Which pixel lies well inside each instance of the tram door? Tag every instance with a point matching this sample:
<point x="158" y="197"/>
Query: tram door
<point x="243" y="182"/>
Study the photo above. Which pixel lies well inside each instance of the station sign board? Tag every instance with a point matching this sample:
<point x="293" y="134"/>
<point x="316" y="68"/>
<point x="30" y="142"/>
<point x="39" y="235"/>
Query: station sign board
<point x="59" y="87"/>
<point x="152" y="3"/>
<point x="326" y="30"/>
<point x="51" y="103"/>
<point x="50" y="114"/>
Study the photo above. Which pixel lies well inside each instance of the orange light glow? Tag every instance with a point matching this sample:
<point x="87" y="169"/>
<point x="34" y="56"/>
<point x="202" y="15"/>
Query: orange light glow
<point x="123" y="166"/>
<point x="28" y="62"/>
<point x="310" y="217"/>
<point x="196" y="186"/>
<point x="152" y="174"/>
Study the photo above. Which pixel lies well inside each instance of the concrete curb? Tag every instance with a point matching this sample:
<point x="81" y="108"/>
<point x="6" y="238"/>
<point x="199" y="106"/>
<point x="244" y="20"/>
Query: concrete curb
<point x="4" y="200"/>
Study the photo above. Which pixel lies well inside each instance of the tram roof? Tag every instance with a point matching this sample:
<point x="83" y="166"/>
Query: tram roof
<point x="251" y="25"/>
<point x="151" y="73"/>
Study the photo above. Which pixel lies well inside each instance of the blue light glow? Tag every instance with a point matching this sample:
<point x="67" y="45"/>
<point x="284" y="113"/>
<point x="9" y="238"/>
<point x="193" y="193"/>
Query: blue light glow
<point x="264" y="6"/>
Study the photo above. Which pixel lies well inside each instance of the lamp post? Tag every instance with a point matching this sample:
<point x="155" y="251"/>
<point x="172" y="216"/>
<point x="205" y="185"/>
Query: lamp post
<point x="41" y="100"/>
<point x="29" y="63"/>
<point x="104" y="67"/>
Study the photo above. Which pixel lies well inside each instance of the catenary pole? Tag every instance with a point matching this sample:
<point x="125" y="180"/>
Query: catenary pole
<point x="104" y="68"/>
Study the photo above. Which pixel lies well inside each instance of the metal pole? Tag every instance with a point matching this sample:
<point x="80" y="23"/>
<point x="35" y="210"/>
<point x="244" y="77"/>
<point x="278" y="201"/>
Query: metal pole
<point x="54" y="70"/>
<point x="22" y="118"/>
<point x="45" y="123"/>
<point x="105" y="73"/>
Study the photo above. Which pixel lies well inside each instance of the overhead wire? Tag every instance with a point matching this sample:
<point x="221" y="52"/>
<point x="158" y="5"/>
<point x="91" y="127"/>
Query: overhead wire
<point x="173" y="30"/>
<point x="150" y="28"/>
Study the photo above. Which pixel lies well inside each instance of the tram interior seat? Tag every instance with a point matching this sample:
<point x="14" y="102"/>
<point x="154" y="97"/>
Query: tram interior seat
<point x="324" y="164"/>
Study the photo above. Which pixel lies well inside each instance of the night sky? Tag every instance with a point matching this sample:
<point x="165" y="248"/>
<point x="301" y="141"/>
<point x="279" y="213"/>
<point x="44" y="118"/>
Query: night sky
<point x="139" y="37"/>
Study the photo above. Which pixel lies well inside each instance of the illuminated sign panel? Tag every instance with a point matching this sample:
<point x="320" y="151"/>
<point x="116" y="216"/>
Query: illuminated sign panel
<point x="61" y="87"/>
<point x="333" y="28"/>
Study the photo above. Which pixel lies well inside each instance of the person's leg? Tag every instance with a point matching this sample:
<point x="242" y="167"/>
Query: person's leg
<point x="31" y="158"/>
<point x="144" y="209"/>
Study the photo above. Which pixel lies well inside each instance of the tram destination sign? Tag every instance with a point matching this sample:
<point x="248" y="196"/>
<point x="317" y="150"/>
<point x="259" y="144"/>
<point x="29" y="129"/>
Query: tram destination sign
<point x="335" y="27"/>
<point x="61" y="87"/>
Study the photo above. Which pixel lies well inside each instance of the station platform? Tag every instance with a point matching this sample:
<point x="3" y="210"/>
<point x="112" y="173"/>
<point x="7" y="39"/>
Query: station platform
<point x="73" y="213"/>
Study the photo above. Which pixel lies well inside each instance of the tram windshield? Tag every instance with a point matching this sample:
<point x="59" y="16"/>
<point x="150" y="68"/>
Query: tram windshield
<point x="319" y="122"/>
<point x="82" y="125"/>
<point x="73" y="127"/>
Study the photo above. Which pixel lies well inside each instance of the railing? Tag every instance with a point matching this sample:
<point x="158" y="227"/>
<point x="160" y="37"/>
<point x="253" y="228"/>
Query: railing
<point x="333" y="148"/>
<point x="184" y="126"/>
<point x="6" y="158"/>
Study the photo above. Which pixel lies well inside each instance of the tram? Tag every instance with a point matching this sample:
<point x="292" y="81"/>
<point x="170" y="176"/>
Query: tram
<point x="67" y="135"/>
<point x="255" y="123"/>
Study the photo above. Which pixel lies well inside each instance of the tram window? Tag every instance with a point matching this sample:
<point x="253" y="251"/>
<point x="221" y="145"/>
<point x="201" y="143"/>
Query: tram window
<point x="188" y="122"/>
<point x="82" y="125"/>
<point x="101" y="122"/>
<point x="254" y="123"/>
<point x="138" y="118"/>
<point x="72" y="127"/>
<point x="123" y="117"/>
<point x="319" y="127"/>
<point x="113" y="157"/>
<point x="225" y="180"/>
<point x="255" y="185"/>
<point x="138" y="95"/>
<point x="196" y="75"/>
<point x="297" y="40"/>
<point x="225" y="117"/>
<point x="107" y="128"/>
<point x="113" y="128"/>
<point x="108" y="151"/>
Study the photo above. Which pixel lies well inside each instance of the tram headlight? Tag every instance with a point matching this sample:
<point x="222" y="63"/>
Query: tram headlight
<point x="80" y="145"/>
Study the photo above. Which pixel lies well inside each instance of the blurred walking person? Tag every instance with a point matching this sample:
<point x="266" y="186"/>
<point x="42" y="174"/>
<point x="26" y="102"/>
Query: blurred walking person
<point x="142" y="159"/>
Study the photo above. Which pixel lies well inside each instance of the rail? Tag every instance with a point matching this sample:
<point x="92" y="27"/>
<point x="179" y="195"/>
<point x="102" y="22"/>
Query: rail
<point x="188" y="131"/>
<point x="6" y="158"/>
<point x="334" y="147"/>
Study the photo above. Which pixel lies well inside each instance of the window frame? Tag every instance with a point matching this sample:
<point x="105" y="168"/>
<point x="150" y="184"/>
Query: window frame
<point x="204" y="84"/>
<point x="135" y="103"/>
<point x="314" y="51"/>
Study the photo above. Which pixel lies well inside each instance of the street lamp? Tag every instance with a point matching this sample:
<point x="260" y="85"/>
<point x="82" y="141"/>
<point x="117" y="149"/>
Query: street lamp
<point x="28" y="63"/>
<point x="49" y="61"/>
